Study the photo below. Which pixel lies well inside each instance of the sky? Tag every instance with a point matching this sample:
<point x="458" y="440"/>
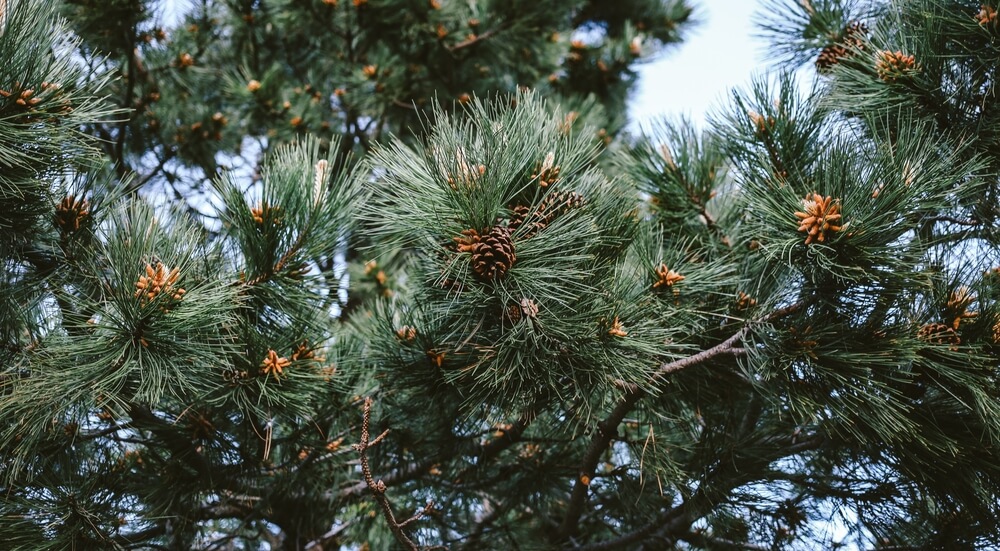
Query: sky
<point x="693" y="77"/>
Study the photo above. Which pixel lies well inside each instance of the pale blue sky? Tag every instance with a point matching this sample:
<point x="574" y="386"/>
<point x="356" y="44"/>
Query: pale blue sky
<point x="697" y="75"/>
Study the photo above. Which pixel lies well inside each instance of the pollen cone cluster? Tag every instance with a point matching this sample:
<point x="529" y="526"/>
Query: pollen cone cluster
<point x="666" y="278"/>
<point x="819" y="217"/>
<point x="158" y="281"/>
<point x="71" y="213"/>
<point x="957" y="307"/>
<point x="891" y="66"/>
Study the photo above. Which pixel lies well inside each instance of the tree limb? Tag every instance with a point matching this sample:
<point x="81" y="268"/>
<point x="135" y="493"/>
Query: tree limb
<point x="608" y="428"/>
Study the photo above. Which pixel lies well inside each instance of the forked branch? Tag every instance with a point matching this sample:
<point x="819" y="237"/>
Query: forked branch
<point x="378" y="487"/>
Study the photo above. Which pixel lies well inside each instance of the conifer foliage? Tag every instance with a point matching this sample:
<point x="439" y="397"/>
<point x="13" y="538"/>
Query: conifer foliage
<point x="365" y="274"/>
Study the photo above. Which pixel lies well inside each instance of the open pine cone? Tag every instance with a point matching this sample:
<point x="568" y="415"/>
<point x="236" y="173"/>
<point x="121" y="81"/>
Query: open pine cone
<point x="493" y="253"/>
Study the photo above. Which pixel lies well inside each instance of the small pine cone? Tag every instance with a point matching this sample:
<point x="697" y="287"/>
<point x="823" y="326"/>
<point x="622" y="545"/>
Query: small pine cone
<point x="516" y="311"/>
<point x="939" y="333"/>
<point x="519" y="215"/>
<point x="494" y="254"/>
<point x="512" y="312"/>
<point x="529" y="308"/>
<point x="559" y="203"/>
<point x="851" y="37"/>
<point x="855" y="33"/>
<point x="829" y="56"/>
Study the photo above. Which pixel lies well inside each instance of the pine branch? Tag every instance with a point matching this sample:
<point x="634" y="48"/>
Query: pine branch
<point x="608" y="428"/>
<point x="329" y="538"/>
<point x="475" y="536"/>
<point x="378" y="487"/>
<point x="675" y="522"/>
<point x="280" y="264"/>
<point x="181" y="449"/>
<point x="707" y="542"/>
<point x="634" y="536"/>
<point x="511" y="436"/>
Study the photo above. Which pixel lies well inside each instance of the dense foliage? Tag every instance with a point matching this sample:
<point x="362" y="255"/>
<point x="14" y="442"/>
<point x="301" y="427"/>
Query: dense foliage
<point x="372" y="274"/>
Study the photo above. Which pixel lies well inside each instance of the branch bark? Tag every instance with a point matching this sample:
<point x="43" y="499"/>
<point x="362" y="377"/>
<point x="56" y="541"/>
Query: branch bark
<point x="378" y="487"/>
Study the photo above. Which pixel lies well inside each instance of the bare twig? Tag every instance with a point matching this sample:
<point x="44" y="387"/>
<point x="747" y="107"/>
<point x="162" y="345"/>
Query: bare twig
<point x="608" y="428"/>
<point x="378" y="487"/>
<point x="409" y="472"/>
<point x="953" y="220"/>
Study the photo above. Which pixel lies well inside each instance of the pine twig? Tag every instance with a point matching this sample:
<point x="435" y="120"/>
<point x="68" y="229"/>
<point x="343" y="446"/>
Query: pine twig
<point x="280" y="264"/>
<point x="378" y="487"/>
<point x="474" y="40"/>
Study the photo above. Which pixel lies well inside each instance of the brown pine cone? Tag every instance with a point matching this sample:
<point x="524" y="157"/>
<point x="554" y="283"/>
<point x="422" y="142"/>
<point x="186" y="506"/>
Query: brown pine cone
<point x="494" y="254"/>
<point x="853" y="36"/>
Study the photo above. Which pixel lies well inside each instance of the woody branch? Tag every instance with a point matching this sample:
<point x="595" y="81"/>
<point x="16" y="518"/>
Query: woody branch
<point x="378" y="487"/>
<point x="607" y="428"/>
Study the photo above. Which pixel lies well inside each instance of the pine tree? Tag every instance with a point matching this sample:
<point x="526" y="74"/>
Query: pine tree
<point x="319" y="274"/>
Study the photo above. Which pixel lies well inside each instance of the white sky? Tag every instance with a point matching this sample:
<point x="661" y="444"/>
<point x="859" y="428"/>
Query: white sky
<point x="695" y="76"/>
